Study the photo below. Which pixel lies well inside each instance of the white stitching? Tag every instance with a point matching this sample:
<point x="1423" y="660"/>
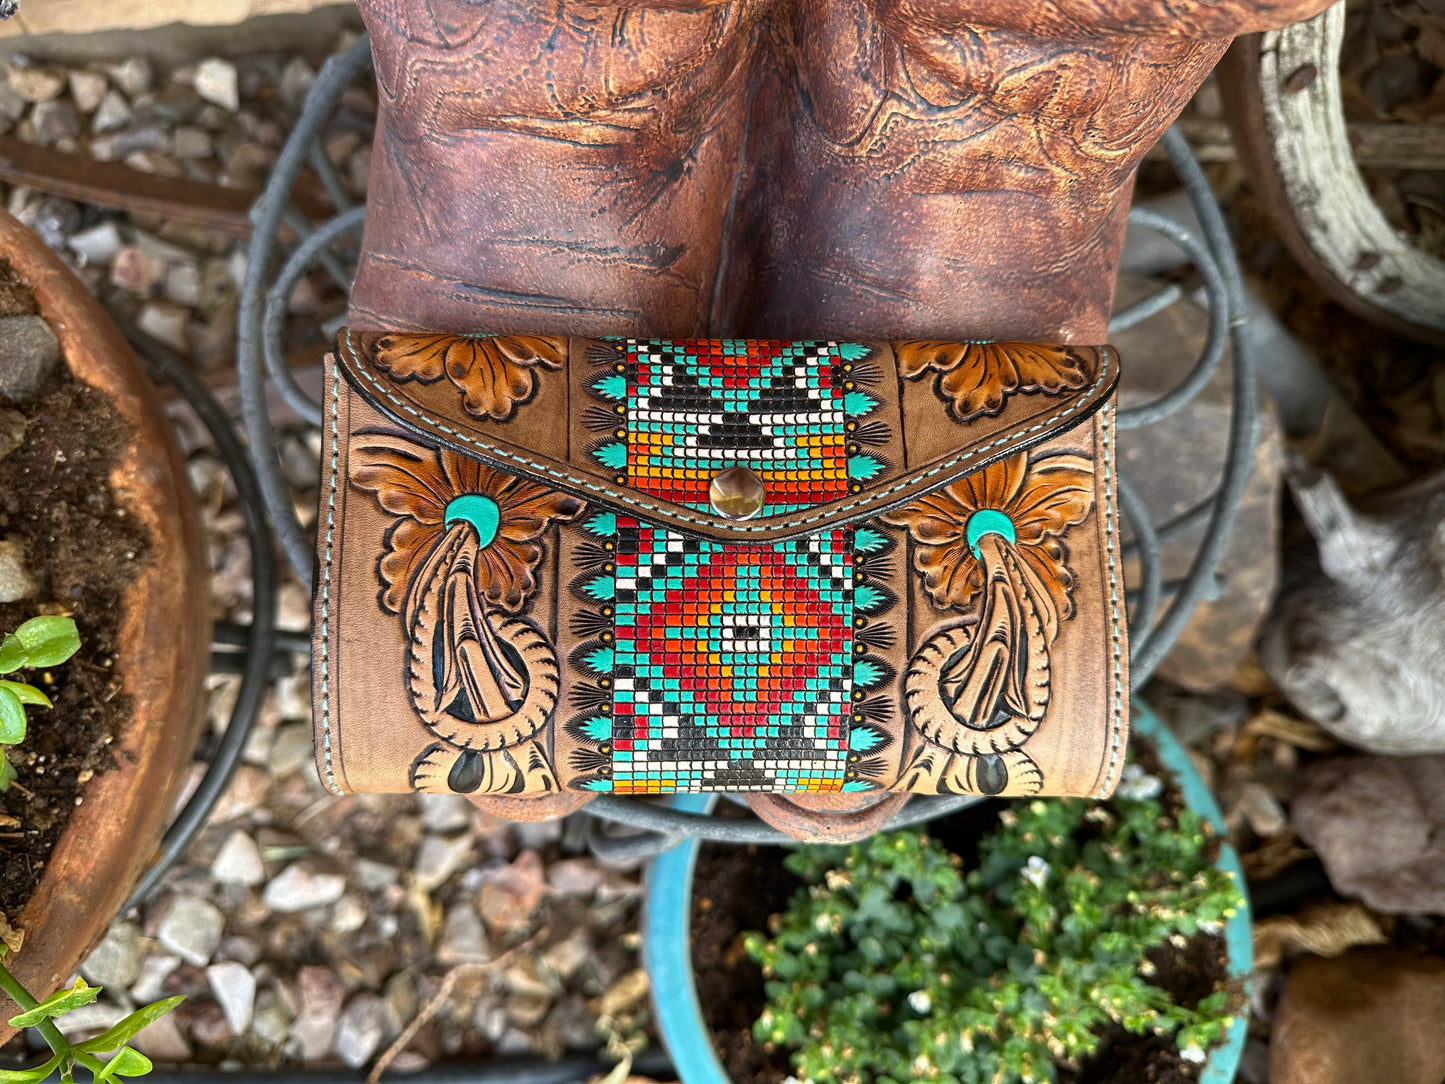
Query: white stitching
<point x="330" y="780"/>
<point x="1117" y="728"/>
<point x="833" y="513"/>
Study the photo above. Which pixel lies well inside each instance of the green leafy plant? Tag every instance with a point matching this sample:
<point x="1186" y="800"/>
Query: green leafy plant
<point x="39" y="642"/>
<point x="894" y="966"/>
<point x="124" y="1062"/>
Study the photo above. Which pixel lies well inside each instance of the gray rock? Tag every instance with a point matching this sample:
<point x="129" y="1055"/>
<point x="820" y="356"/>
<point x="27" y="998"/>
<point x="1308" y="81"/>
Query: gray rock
<point x="241" y="950"/>
<point x="96" y="1017"/>
<point x="296" y="888"/>
<point x="439" y="812"/>
<point x="296" y="80"/>
<point x="150" y="986"/>
<point x="87" y="90"/>
<point x="133" y="75"/>
<point x="1177" y="465"/>
<point x="292" y="750"/>
<point x="16" y="582"/>
<point x="98" y="245"/>
<point x="192" y="930"/>
<point x="359" y="1029"/>
<point x="373" y="876"/>
<point x="116" y="961"/>
<point x="1356" y="641"/>
<point x="29" y="354"/>
<point x="239" y="861"/>
<point x="569" y="956"/>
<point x="12" y="106"/>
<point x="12" y="430"/>
<point x="234" y="988"/>
<point x="463" y="938"/>
<point x="162" y="1041"/>
<point x="111" y="115"/>
<point x="191" y="142"/>
<point x="1378" y="825"/>
<point x="54" y="121"/>
<point x="439" y="857"/>
<point x="575" y="876"/>
<point x="54" y="219"/>
<point x="216" y="82"/>
<point x="271" y="1022"/>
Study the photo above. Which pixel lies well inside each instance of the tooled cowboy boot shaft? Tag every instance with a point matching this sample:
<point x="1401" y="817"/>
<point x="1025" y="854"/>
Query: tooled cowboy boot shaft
<point x="798" y="168"/>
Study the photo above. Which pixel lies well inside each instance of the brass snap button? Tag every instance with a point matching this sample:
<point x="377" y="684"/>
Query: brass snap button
<point x="737" y="493"/>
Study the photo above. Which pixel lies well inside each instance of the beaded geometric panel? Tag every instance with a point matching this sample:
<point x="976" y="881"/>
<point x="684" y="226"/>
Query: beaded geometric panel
<point x="699" y="406"/>
<point x="733" y="665"/>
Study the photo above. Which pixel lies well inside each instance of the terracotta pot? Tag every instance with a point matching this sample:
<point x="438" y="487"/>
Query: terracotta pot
<point x="162" y="657"/>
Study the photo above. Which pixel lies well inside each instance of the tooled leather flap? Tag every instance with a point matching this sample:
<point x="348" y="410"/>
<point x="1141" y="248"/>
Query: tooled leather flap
<point x="837" y="430"/>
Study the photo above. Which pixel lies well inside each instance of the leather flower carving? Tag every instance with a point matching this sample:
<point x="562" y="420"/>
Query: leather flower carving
<point x="977" y="378"/>
<point x="435" y="492"/>
<point x="493" y="372"/>
<point x="1037" y="500"/>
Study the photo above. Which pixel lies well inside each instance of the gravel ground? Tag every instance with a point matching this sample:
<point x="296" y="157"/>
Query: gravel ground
<point x="306" y="929"/>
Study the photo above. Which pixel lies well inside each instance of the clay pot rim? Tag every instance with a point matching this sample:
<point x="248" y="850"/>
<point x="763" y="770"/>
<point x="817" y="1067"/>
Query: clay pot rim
<point x="112" y="835"/>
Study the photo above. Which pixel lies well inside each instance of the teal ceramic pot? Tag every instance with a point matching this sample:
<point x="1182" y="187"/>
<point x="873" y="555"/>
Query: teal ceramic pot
<point x="667" y="945"/>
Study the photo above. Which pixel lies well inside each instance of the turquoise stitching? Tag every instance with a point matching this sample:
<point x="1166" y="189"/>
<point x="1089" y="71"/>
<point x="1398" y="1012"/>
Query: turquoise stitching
<point x="833" y="513"/>
<point x="330" y="780"/>
<point x="1115" y="746"/>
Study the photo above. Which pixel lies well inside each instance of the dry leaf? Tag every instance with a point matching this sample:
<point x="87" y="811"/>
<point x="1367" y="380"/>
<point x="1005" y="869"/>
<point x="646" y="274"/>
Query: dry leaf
<point x="1326" y="930"/>
<point x="1301" y="733"/>
<point x="12" y="938"/>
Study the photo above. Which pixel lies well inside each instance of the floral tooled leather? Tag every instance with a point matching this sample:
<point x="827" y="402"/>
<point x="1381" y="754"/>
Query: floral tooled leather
<point x="977" y="378"/>
<point x="577" y="618"/>
<point x="493" y="372"/>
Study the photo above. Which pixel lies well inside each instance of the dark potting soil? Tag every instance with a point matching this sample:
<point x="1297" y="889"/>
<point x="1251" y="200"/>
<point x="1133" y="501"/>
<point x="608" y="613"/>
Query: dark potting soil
<point x="55" y="499"/>
<point x="736" y="889"/>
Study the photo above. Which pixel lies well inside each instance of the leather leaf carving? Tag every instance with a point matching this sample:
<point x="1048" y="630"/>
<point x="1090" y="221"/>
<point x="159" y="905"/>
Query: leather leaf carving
<point x="492" y="372"/>
<point x="976" y="379"/>
<point x="1042" y="499"/>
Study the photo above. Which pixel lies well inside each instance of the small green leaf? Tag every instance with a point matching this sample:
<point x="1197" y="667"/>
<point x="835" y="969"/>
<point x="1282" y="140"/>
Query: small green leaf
<point x="130" y="1027"/>
<point x="127" y="1062"/>
<point x="48" y="641"/>
<point x="8" y="775"/>
<point x="57" y="1004"/>
<point x="26" y="694"/>
<point x="12" y="654"/>
<point x="30" y="1076"/>
<point x="12" y="718"/>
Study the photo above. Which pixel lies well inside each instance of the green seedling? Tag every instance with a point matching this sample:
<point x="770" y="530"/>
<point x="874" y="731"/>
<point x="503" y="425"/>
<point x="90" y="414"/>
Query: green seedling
<point x="894" y="965"/>
<point x="122" y="1063"/>
<point x="38" y="643"/>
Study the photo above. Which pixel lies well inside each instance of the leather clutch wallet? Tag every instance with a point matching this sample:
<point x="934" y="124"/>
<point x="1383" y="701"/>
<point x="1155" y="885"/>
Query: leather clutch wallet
<point x="651" y="566"/>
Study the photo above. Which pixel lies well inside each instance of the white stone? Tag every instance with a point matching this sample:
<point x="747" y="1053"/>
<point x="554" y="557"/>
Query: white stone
<point x="183" y="285"/>
<point x="150" y="986"/>
<point x="116" y="961"/>
<point x="87" y="90"/>
<point x="162" y="1040"/>
<point x="238" y="862"/>
<point x="349" y="915"/>
<point x="111" y="115"/>
<point x="463" y="938"/>
<point x="98" y="245"/>
<point x="166" y="322"/>
<point x="16" y="582"/>
<point x="292" y="749"/>
<point x="439" y="857"/>
<point x="36" y="83"/>
<point x="216" y="82"/>
<point x="445" y="812"/>
<point x="359" y="1030"/>
<point x="192" y="930"/>
<point x="234" y="988"/>
<point x="298" y="889"/>
<point x="133" y="75"/>
<point x="190" y="142"/>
